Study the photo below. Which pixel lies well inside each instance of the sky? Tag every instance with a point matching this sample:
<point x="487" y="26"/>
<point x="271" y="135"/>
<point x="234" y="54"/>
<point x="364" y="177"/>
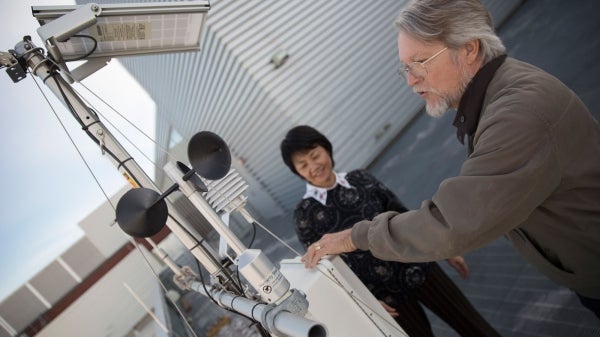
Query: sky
<point x="47" y="188"/>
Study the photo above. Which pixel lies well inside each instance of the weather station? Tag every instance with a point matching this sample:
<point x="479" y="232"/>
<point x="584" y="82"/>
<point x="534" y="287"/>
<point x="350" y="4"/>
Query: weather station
<point x="285" y="299"/>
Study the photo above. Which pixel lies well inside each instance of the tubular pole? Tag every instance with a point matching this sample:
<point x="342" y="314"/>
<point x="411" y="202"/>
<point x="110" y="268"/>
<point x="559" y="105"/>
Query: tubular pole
<point x="283" y="322"/>
<point x="44" y="68"/>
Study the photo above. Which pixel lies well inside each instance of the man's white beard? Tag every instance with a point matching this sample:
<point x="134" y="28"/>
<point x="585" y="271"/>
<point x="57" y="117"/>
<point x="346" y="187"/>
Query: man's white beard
<point x="438" y="108"/>
<point x="447" y="100"/>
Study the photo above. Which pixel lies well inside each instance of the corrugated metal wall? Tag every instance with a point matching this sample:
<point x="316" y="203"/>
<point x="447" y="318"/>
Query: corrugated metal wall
<point x="340" y="77"/>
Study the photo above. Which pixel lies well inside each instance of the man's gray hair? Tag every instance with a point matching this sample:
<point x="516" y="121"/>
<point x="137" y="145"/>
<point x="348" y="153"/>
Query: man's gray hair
<point x="452" y="22"/>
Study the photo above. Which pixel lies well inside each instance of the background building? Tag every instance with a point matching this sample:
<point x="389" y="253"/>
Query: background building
<point x="101" y="286"/>
<point x="339" y="74"/>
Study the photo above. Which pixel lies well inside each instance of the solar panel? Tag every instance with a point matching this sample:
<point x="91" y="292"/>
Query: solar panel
<point x="120" y="29"/>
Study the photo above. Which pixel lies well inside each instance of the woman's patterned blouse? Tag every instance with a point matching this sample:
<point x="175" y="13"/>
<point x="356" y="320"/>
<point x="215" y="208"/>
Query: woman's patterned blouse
<point x="387" y="280"/>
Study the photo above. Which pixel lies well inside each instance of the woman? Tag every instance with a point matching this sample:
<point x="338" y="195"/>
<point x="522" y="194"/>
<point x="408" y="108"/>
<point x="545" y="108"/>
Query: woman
<point x="335" y="201"/>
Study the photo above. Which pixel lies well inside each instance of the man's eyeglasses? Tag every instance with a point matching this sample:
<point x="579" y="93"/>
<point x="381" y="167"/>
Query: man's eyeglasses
<point x="417" y="69"/>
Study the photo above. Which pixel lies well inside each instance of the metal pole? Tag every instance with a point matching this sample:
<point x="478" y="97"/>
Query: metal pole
<point x="45" y="69"/>
<point x="283" y="322"/>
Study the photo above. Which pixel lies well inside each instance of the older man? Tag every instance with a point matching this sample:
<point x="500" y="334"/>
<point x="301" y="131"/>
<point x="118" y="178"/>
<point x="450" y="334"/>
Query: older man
<point x="533" y="170"/>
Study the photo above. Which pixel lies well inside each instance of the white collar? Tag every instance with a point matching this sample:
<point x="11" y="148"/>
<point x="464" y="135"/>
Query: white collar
<point x="320" y="193"/>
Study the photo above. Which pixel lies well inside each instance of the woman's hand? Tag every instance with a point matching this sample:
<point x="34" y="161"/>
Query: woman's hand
<point x="389" y="309"/>
<point x="459" y="264"/>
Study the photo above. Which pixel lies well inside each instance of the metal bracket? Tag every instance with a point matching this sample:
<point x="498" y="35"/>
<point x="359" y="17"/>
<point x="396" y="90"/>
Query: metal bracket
<point x="62" y="28"/>
<point x="13" y="68"/>
<point x="88" y="68"/>
<point x="100" y="136"/>
<point x="182" y="280"/>
<point x="296" y="303"/>
<point x="7" y="59"/>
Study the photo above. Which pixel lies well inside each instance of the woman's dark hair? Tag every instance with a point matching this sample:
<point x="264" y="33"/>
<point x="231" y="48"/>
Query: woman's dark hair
<point x="300" y="139"/>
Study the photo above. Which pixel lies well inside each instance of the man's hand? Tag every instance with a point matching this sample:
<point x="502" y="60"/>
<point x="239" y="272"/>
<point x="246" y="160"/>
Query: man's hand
<point x="329" y="244"/>
<point x="459" y="264"/>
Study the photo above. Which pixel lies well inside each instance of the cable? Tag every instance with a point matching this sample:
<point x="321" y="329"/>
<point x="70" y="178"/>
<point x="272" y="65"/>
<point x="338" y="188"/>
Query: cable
<point x="93" y="111"/>
<point x="204" y="283"/>
<point x="254" y="221"/>
<point x="73" y="112"/>
<point x="128" y="139"/>
<point x="52" y="74"/>
<point x="86" y="127"/>
<point x="332" y="278"/>
<point x="89" y="53"/>
<point x="158" y="146"/>
<point x="222" y="269"/>
<point x="253" y="235"/>
<point x="237" y="269"/>
<point x="74" y="145"/>
<point x="162" y="285"/>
